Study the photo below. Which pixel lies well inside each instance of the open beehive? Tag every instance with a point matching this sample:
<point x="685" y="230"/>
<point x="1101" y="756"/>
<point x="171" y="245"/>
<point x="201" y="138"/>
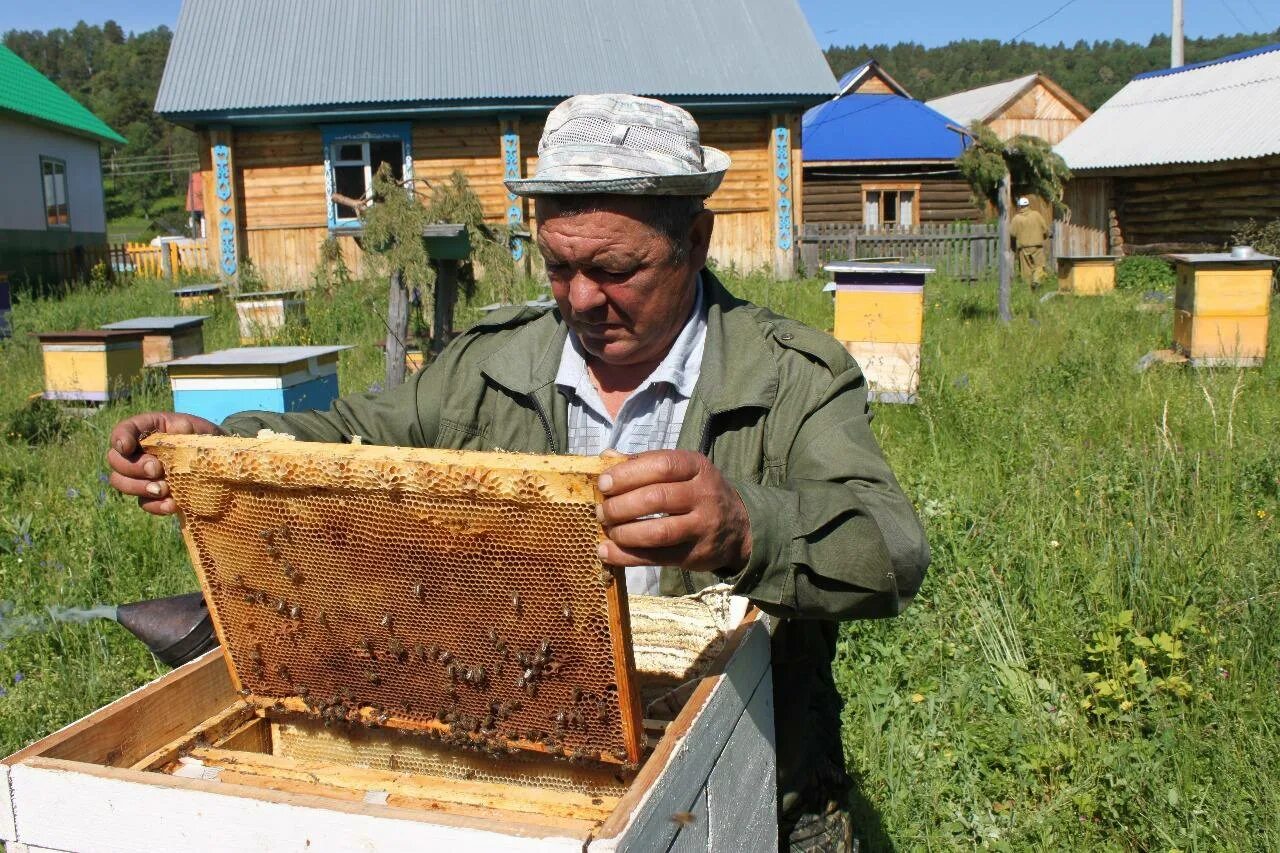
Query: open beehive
<point x="457" y="595"/>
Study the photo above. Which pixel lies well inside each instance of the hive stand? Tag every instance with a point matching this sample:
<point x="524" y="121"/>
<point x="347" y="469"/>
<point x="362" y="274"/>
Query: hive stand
<point x="880" y="321"/>
<point x="166" y="338"/>
<point x="191" y="297"/>
<point x="269" y="379"/>
<point x="1221" y="308"/>
<point x="91" y="365"/>
<point x="1086" y="275"/>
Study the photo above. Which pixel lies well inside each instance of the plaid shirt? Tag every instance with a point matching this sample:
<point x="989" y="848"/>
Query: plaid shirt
<point x="651" y="417"/>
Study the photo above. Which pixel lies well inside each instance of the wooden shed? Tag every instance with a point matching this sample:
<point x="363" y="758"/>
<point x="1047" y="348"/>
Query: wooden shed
<point x="1033" y="105"/>
<point x="290" y="108"/>
<point x="876" y="157"/>
<point x="1178" y="160"/>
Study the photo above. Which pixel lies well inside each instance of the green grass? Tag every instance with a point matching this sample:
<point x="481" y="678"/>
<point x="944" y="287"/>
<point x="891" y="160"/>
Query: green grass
<point x="1094" y="661"/>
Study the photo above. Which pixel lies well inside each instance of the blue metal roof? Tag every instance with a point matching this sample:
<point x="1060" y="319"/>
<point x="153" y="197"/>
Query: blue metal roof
<point x="1244" y="54"/>
<point x="878" y="127"/>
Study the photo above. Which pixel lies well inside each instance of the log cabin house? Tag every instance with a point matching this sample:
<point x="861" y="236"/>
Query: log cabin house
<point x="295" y="101"/>
<point x="1033" y="105"/>
<point x="1178" y="160"/>
<point x="877" y="158"/>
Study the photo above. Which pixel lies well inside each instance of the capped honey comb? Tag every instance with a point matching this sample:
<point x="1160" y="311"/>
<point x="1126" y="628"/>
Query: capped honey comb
<point x="454" y="594"/>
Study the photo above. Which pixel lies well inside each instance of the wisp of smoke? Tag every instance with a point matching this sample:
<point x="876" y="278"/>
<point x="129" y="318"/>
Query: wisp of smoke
<point x="19" y="624"/>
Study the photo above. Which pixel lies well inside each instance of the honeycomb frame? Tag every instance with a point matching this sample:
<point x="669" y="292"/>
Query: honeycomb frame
<point x="453" y="594"/>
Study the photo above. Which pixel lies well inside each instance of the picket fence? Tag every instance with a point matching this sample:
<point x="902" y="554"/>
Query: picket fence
<point x="168" y="260"/>
<point x="960" y="250"/>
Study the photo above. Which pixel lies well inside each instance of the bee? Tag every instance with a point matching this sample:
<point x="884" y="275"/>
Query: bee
<point x="255" y="654"/>
<point x="383" y="717"/>
<point x="683" y="818"/>
<point x="445" y="657"/>
<point x="545" y="649"/>
<point x="575" y="694"/>
<point x="267" y="535"/>
<point x="322" y="618"/>
<point x="493" y="637"/>
<point x="386" y="621"/>
<point x="277" y="706"/>
<point x="366" y="645"/>
<point x="303" y="691"/>
<point x="372" y="677"/>
<point x="515" y="602"/>
<point x="250" y="598"/>
<point x="280" y="605"/>
<point x="395" y="648"/>
<point x="282" y="671"/>
<point x="418" y="591"/>
<point x="244" y="691"/>
<point x="469" y="774"/>
<point x="295" y="612"/>
<point x="605" y="577"/>
<point x="567" y="613"/>
<point x="420" y="651"/>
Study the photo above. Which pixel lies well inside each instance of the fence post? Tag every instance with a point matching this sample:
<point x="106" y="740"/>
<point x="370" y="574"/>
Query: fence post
<point x="166" y="261"/>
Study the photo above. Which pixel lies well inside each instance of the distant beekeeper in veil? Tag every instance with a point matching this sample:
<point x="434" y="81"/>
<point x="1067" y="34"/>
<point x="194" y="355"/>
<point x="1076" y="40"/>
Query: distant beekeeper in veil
<point x="1029" y="232"/>
<point x="750" y="455"/>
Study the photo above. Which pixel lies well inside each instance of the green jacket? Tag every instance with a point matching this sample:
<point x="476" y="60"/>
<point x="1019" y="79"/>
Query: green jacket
<point x="779" y="408"/>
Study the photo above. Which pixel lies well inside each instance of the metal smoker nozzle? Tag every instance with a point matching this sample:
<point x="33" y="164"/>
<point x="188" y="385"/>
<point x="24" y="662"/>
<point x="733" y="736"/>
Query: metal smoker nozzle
<point x="177" y="629"/>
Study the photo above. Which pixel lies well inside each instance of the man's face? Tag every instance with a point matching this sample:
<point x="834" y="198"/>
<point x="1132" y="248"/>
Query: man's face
<point x="615" y="281"/>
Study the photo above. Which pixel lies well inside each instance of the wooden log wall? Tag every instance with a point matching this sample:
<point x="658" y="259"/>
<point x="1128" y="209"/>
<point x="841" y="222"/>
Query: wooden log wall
<point x="1085" y="229"/>
<point x="1194" y="207"/>
<point x="834" y="193"/>
<point x="280" y="185"/>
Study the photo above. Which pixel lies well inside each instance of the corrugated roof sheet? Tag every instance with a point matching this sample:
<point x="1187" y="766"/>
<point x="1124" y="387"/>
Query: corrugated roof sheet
<point x="26" y="91"/>
<point x="1222" y="110"/>
<point x="979" y="104"/>
<point x="284" y="55"/>
<point x="878" y="127"/>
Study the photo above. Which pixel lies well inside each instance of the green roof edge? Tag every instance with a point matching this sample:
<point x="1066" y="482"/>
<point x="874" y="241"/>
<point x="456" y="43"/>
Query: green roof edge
<point x="26" y="92"/>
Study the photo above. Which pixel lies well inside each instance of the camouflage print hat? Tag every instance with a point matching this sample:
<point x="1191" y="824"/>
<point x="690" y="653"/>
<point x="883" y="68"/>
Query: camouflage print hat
<point x="622" y="144"/>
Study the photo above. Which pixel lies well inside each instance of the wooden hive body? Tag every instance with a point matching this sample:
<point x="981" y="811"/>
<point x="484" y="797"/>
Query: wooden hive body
<point x="186" y="763"/>
<point x="270" y="379"/>
<point x="91" y="365"/>
<point x="196" y="295"/>
<point x="261" y="315"/>
<point x="1087" y="276"/>
<point x="880" y="320"/>
<point x="166" y="338"/>
<point x="1222" y="308"/>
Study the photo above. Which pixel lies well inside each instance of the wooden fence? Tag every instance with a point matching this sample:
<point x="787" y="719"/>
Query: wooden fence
<point x="961" y="250"/>
<point x="168" y="260"/>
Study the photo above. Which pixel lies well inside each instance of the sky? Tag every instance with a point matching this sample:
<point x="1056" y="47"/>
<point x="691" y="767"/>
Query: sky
<point x="929" y="22"/>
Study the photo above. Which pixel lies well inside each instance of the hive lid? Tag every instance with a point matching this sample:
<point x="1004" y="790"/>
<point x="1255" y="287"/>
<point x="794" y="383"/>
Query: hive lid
<point x="862" y="266"/>
<point x="158" y="324"/>
<point x="1222" y="258"/>
<point x="453" y="594"/>
<point x="90" y="335"/>
<point x="197" y="290"/>
<point x="1088" y="258"/>
<point x="268" y="294"/>
<point x="255" y="356"/>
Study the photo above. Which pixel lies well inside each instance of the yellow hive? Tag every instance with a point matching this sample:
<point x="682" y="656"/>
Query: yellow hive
<point x="1222" y="307"/>
<point x="1087" y="276"/>
<point x="91" y="365"/>
<point x="457" y="595"/>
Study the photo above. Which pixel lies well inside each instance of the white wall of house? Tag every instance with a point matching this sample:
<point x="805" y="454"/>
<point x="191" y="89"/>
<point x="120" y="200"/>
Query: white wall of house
<point x="22" y="144"/>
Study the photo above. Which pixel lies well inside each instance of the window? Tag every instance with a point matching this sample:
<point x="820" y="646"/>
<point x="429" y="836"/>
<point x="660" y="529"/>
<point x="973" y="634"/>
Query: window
<point x="890" y="205"/>
<point x="53" y="174"/>
<point x="353" y="155"/>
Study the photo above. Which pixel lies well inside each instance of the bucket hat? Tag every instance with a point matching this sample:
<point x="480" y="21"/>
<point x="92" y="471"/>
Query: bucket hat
<point x="625" y="145"/>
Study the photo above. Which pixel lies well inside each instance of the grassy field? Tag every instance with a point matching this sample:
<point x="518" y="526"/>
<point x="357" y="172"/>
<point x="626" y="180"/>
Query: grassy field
<point x="1094" y="661"/>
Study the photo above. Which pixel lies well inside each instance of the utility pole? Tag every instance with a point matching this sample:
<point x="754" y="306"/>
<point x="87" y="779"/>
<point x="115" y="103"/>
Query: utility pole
<point x="1175" y="47"/>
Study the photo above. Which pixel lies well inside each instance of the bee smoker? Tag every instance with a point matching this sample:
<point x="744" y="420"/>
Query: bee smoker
<point x="177" y="629"/>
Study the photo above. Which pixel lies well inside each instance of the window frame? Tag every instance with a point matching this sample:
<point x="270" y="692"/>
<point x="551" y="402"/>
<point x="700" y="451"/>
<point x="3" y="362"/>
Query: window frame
<point x="899" y="187"/>
<point x="57" y="162"/>
<point x="362" y="134"/>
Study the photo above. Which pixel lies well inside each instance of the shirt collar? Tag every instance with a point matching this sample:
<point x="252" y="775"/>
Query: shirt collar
<point x="679" y="367"/>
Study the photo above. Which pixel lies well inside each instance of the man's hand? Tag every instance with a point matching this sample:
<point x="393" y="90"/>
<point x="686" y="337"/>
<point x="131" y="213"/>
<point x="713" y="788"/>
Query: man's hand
<point x="704" y="525"/>
<point x="141" y="474"/>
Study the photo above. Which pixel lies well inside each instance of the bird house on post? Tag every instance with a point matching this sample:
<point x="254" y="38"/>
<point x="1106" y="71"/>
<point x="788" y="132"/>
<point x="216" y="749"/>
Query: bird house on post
<point x="1221" y="307"/>
<point x="1087" y="275"/>
<point x="268" y="379"/>
<point x="880" y="321"/>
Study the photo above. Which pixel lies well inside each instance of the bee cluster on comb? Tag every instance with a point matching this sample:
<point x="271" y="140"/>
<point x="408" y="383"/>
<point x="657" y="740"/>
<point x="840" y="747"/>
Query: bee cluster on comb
<point x="451" y="594"/>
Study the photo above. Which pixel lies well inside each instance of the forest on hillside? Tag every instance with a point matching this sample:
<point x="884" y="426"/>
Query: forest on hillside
<point x="116" y="75"/>
<point x="1091" y="71"/>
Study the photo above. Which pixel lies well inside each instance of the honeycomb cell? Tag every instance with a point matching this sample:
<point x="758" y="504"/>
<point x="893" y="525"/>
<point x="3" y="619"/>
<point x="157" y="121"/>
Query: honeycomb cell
<point x="456" y="595"/>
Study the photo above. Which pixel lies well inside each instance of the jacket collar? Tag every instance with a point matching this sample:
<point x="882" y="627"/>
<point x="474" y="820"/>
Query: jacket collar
<point x="743" y="375"/>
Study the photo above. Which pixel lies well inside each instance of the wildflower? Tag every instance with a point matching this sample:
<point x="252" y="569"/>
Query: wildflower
<point x="917" y="698"/>
<point x="72" y="494"/>
<point x="18" y="676"/>
<point x="1054" y="543"/>
<point x="375" y="388"/>
<point x="1223" y="674"/>
<point x="1262" y="513"/>
<point x="102" y="478"/>
<point x="1126" y="705"/>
